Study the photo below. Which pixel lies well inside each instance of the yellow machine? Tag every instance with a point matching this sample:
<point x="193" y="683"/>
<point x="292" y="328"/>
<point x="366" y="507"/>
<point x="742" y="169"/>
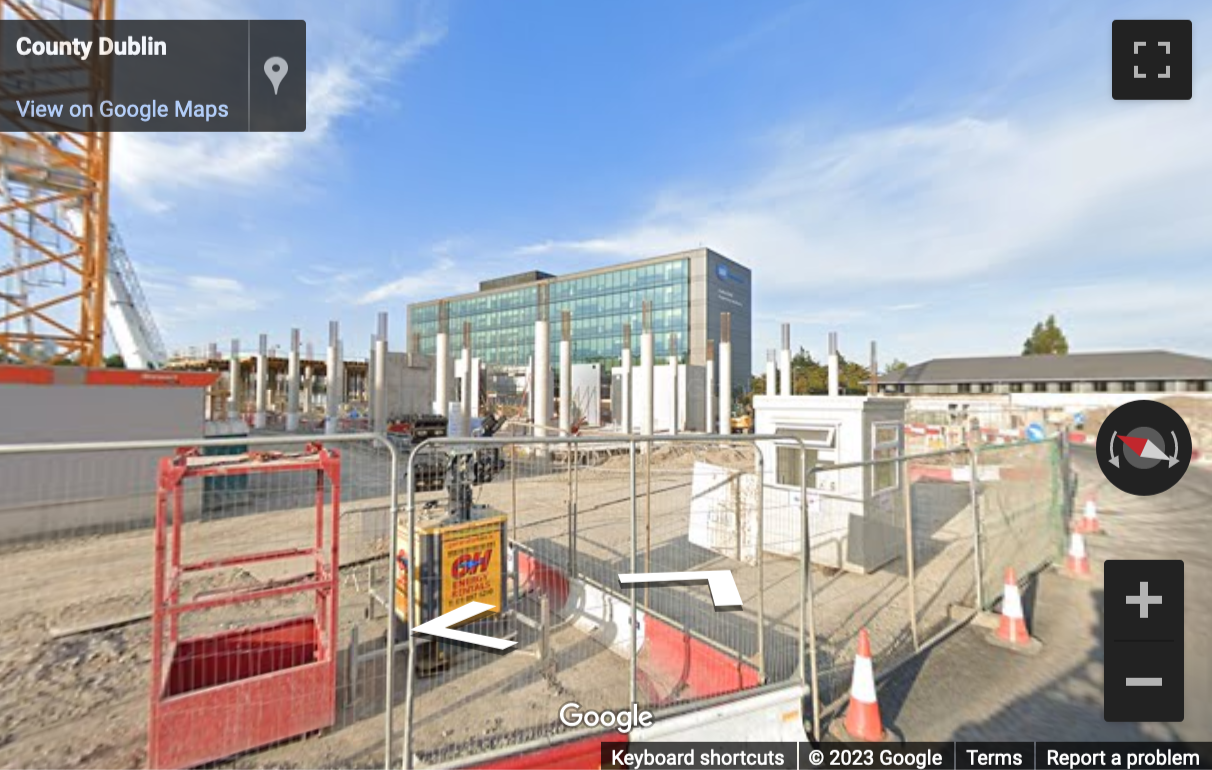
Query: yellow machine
<point x="458" y="557"/>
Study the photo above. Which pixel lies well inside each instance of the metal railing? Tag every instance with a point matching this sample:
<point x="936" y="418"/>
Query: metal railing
<point x="909" y="546"/>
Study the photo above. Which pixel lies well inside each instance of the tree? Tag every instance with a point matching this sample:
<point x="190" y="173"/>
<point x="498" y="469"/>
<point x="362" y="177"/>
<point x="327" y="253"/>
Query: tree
<point x="897" y="365"/>
<point x="1046" y="339"/>
<point x="114" y="362"/>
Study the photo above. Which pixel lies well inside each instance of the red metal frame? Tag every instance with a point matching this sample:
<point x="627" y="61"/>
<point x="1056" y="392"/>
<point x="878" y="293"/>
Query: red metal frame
<point x="221" y="694"/>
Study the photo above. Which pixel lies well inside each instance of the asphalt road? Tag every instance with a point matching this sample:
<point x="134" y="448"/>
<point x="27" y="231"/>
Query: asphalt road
<point x="967" y="689"/>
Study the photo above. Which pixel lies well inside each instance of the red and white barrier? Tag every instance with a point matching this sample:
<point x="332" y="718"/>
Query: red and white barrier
<point x="671" y="659"/>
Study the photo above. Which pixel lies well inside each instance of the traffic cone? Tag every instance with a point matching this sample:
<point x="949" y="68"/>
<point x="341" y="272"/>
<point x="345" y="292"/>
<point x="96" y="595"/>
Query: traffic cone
<point x="1012" y="631"/>
<point x="862" y="721"/>
<point x="1077" y="563"/>
<point x="1088" y="523"/>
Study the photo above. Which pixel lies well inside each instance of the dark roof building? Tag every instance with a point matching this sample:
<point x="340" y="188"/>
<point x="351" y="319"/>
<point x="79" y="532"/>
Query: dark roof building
<point x="1146" y="371"/>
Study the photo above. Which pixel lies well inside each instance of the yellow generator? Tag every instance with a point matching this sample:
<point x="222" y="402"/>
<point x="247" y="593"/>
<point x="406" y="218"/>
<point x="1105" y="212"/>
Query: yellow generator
<point x="459" y="557"/>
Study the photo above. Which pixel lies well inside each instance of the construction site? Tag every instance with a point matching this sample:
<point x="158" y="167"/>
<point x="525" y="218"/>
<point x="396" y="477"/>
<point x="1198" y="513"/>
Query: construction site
<point x="223" y="557"/>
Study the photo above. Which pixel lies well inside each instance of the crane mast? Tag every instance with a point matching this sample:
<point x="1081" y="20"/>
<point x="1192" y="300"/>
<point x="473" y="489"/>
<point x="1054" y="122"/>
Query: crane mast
<point x="53" y="272"/>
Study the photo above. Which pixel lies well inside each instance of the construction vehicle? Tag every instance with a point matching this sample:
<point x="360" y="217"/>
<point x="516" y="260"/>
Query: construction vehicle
<point x="742" y="421"/>
<point x="430" y="467"/>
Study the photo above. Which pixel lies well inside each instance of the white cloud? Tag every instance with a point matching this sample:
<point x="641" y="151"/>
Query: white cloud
<point x="949" y="199"/>
<point x="180" y="302"/>
<point x="150" y="168"/>
<point x="442" y="278"/>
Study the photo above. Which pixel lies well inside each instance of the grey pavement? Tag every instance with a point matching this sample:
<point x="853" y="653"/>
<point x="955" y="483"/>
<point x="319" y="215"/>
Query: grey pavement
<point x="968" y="690"/>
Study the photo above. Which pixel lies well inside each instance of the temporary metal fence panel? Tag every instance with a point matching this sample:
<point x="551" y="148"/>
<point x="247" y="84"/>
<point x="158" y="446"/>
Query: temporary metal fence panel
<point x="893" y="546"/>
<point x="76" y="556"/>
<point x="580" y="512"/>
<point x="1021" y="501"/>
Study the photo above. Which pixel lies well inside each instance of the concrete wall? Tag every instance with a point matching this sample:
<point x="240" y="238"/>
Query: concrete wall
<point x="76" y="492"/>
<point x="409" y="384"/>
<point x="1036" y="400"/>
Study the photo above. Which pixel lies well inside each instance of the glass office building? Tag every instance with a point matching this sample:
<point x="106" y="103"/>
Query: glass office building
<point x="687" y="292"/>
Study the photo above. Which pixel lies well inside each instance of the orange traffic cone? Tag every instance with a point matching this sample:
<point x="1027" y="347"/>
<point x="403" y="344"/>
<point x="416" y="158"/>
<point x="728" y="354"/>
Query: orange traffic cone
<point x="1012" y="631"/>
<point x="1088" y="523"/>
<point x="862" y="721"/>
<point x="1077" y="563"/>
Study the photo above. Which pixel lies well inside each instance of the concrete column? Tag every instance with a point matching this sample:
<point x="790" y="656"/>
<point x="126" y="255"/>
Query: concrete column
<point x="233" y="374"/>
<point x="565" y="373"/>
<point x="292" y="383"/>
<point x="441" y="368"/>
<point x="725" y="387"/>
<point x="647" y="401"/>
<point x="262" y="381"/>
<point x="379" y="395"/>
<point x="308" y="384"/>
<point x="673" y="396"/>
<point x="332" y="376"/>
<point x="542" y="377"/>
<point x="1115" y="387"/>
<point x="873" y="387"/>
<point x="625" y="382"/>
<point x="467" y="384"/>
<point x="771" y="373"/>
<point x="726" y="374"/>
<point x="709" y="399"/>
<point x="476" y="391"/>
<point x="834" y="388"/>
<point x="785" y="362"/>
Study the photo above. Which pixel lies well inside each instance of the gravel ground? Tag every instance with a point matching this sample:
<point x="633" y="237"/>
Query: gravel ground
<point x="81" y="700"/>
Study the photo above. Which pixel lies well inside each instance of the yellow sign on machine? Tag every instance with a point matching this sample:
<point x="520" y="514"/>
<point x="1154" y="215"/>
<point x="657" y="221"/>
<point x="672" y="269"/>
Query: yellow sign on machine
<point x="471" y="564"/>
<point x="451" y="565"/>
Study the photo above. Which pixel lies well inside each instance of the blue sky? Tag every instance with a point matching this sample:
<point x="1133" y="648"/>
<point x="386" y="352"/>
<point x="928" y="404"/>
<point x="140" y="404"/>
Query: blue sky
<point x="935" y="176"/>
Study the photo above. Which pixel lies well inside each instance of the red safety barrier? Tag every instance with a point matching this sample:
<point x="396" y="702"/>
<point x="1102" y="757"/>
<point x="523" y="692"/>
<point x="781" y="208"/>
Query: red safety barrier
<point x="582" y="754"/>
<point x="676" y="663"/>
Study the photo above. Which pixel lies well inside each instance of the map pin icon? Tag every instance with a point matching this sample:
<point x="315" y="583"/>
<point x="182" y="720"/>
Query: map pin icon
<point x="275" y="70"/>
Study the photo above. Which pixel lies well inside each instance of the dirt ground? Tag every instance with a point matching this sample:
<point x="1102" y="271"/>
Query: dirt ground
<point x="81" y="699"/>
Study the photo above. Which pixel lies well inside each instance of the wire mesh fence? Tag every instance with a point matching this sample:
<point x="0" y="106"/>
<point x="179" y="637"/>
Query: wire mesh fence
<point x="538" y="528"/>
<point x="1021" y="500"/>
<point x="81" y="552"/>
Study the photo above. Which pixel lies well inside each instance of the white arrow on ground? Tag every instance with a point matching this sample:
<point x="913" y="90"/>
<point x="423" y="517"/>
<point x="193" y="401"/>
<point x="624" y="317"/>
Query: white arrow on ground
<point x="724" y="593"/>
<point x="441" y="626"/>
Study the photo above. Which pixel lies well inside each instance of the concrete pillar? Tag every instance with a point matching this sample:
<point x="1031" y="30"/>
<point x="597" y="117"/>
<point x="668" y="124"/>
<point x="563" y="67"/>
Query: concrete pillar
<point x="542" y="376"/>
<point x="1054" y="387"/>
<point x="565" y="373"/>
<point x="441" y="368"/>
<point x="785" y="362"/>
<point x="709" y="400"/>
<point x="873" y="385"/>
<point x="332" y="376"/>
<point x="233" y="374"/>
<point x="647" y="373"/>
<point x="1144" y="386"/>
<point x="833" y="365"/>
<point x="467" y="385"/>
<point x="726" y="374"/>
<point x="379" y="383"/>
<point x="292" y="383"/>
<point x="625" y="382"/>
<point x="1115" y="386"/>
<point x="772" y="376"/>
<point x="673" y="395"/>
<point x="262" y="380"/>
<point x="308" y="385"/>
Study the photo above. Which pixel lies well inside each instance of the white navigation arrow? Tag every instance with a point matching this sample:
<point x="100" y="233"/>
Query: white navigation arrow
<point x="441" y="626"/>
<point x="724" y="593"/>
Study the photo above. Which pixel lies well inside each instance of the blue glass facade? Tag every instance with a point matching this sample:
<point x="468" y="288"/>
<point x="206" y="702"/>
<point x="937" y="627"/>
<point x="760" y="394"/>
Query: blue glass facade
<point x="502" y="320"/>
